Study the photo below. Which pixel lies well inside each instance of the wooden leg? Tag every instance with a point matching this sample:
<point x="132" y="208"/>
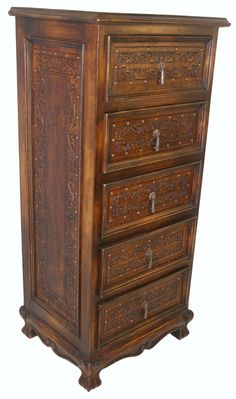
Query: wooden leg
<point x="27" y="329"/>
<point x="181" y="332"/>
<point x="90" y="378"/>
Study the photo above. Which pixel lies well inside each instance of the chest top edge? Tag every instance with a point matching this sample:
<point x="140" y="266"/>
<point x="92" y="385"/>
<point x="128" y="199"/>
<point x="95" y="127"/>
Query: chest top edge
<point x="106" y="18"/>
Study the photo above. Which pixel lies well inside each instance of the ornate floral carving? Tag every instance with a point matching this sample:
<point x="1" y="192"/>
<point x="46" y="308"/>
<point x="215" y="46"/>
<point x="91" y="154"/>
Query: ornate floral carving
<point x="134" y="138"/>
<point x="161" y="246"/>
<point x="138" y="66"/>
<point x="129" y="259"/>
<point x="124" y="313"/>
<point x="155" y="55"/>
<point x="130" y="200"/>
<point x="66" y="64"/>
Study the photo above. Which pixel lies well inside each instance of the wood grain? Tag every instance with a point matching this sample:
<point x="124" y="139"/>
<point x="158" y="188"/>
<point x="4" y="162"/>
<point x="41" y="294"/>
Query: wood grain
<point x="108" y="214"/>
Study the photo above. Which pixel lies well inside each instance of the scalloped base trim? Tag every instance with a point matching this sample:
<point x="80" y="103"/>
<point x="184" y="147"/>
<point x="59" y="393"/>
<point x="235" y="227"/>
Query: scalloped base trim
<point x="91" y="367"/>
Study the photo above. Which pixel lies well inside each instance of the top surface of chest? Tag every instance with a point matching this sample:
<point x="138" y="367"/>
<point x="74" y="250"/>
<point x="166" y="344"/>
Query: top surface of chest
<point x="107" y="17"/>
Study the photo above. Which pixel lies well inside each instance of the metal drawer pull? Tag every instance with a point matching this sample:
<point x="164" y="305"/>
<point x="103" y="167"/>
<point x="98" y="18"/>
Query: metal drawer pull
<point x="145" y="308"/>
<point x="149" y="256"/>
<point x="152" y="198"/>
<point x="162" y="69"/>
<point x="156" y="133"/>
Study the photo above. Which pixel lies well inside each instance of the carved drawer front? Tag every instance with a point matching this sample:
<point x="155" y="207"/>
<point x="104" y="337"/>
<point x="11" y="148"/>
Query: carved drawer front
<point x="149" y="64"/>
<point x="145" y="255"/>
<point x="145" y="198"/>
<point x="152" y="134"/>
<point x="139" y="307"/>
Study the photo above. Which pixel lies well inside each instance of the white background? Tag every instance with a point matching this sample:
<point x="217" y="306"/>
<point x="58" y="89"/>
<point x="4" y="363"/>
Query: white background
<point x="203" y="364"/>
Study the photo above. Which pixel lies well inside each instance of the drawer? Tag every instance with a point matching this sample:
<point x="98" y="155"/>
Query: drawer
<point x="140" y="307"/>
<point x="149" y="135"/>
<point x="137" y="200"/>
<point x="142" y="65"/>
<point x="145" y="255"/>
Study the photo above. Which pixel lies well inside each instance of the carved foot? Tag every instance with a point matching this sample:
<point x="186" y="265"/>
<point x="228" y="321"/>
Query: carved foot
<point x="181" y="332"/>
<point x="89" y="378"/>
<point x="27" y="329"/>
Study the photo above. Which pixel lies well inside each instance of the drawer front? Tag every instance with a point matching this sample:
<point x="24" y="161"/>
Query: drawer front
<point x="141" y="306"/>
<point x="146" y="254"/>
<point x="148" y="197"/>
<point x="149" y="64"/>
<point x="152" y="134"/>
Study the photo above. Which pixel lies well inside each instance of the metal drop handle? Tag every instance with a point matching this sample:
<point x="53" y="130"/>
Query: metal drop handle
<point x="161" y="67"/>
<point x="156" y="134"/>
<point x="152" y="198"/>
<point x="145" y="308"/>
<point x="149" y="256"/>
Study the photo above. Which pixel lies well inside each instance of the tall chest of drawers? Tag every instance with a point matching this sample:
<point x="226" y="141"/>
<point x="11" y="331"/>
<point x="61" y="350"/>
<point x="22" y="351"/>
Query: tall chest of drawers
<point x="113" y="113"/>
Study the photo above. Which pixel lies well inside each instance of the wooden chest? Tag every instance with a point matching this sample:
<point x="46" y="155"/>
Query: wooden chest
<point x="113" y="113"/>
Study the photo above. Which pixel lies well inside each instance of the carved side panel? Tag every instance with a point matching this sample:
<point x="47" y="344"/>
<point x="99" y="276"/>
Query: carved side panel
<point x="139" y="65"/>
<point x="141" y="306"/>
<point x="56" y="151"/>
<point x="145" y="254"/>
<point x="149" y="196"/>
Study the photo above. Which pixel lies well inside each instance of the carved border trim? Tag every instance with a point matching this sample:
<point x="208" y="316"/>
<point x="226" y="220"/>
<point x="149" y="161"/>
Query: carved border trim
<point x="91" y="368"/>
<point x="60" y="57"/>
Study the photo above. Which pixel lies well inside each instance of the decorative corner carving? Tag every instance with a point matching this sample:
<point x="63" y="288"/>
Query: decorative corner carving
<point x="90" y="378"/>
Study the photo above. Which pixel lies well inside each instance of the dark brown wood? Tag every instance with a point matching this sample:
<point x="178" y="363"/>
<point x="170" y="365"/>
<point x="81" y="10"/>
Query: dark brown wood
<point x="128" y="202"/>
<point x="113" y="114"/>
<point x="145" y="256"/>
<point x="96" y="17"/>
<point x="131" y="136"/>
<point x="135" y="64"/>
<point x="141" y="307"/>
<point x="56" y="174"/>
